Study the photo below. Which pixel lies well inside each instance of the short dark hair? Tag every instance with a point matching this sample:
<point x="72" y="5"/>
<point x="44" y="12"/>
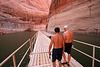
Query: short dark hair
<point x="57" y="29"/>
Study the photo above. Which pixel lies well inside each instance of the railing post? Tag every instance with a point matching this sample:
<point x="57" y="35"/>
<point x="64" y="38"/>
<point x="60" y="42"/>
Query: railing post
<point x="14" y="60"/>
<point x="31" y="45"/>
<point x="93" y="56"/>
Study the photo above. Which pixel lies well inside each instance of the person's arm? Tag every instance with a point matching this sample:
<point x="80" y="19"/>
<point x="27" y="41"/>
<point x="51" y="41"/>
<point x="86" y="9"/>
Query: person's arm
<point x="72" y="40"/>
<point x="50" y="46"/>
<point x="63" y="46"/>
<point x="72" y="36"/>
<point x="64" y="37"/>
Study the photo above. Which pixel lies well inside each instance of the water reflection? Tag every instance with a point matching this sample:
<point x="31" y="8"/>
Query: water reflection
<point x="10" y="42"/>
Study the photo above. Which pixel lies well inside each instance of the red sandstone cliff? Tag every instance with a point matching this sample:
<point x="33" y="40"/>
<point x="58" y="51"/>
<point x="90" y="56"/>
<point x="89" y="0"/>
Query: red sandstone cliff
<point x="79" y="15"/>
<point x="21" y="14"/>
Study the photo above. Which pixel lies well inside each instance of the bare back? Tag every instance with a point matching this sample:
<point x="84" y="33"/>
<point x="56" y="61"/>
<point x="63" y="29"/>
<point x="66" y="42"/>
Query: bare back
<point x="58" y="41"/>
<point x="68" y="37"/>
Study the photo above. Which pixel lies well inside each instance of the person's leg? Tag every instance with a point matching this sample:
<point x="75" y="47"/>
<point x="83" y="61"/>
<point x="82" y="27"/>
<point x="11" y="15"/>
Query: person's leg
<point x="59" y="63"/>
<point x="54" y="64"/>
<point x="64" y="56"/>
<point x="54" y="57"/>
<point x="69" y="52"/>
<point x="69" y="57"/>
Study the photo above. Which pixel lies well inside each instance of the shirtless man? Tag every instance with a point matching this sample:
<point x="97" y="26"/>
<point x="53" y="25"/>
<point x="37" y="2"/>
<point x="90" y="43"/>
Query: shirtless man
<point x="68" y="39"/>
<point x="58" y="47"/>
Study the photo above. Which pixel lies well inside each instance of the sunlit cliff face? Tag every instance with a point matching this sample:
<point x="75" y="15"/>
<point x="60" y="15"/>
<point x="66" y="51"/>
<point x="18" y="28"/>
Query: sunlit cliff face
<point x="81" y="16"/>
<point x="24" y="7"/>
<point x="21" y="13"/>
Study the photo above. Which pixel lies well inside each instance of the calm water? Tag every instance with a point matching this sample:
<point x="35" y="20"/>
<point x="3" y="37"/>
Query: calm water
<point x="88" y="38"/>
<point x="10" y="42"/>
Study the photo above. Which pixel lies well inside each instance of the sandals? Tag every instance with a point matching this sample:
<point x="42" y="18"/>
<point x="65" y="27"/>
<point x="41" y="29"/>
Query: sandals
<point x="68" y="65"/>
<point x="65" y="63"/>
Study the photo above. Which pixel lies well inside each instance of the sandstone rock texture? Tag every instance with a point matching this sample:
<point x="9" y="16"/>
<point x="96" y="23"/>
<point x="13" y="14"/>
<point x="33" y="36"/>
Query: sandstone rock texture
<point x="18" y="15"/>
<point x="81" y="16"/>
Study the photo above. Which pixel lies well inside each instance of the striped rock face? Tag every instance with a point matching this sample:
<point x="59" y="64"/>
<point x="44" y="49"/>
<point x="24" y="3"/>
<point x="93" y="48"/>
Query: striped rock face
<point x="20" y="14"/>
<point x="80" y="15"/>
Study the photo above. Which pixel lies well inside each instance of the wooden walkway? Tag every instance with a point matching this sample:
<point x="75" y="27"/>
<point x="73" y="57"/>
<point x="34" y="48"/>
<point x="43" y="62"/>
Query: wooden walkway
<point x="40" y="55"/>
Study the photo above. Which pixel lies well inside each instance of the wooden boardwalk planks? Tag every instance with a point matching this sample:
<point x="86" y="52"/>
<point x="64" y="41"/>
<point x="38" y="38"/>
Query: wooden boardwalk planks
<point x="40" y="56"/>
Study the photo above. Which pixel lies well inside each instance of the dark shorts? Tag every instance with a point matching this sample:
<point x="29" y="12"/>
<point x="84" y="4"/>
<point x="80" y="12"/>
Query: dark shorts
<point x="57" y="54"/>
<point x="68" y="47"/>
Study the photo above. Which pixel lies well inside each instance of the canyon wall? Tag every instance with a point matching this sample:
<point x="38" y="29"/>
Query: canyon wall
<point x="18" y="15"/>
<point x="81" y="16"/>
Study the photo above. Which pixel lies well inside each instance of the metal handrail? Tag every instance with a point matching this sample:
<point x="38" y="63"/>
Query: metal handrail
<point x="13" y="54"/>
<point x="92" y="57"/>
<point x="23" y="57"/>
<point x="86" y="43"/>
